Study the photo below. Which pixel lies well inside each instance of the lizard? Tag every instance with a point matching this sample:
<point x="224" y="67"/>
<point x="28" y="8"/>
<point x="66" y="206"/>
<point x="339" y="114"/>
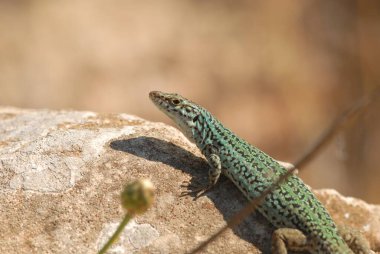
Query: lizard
<point x="302" y="223"/>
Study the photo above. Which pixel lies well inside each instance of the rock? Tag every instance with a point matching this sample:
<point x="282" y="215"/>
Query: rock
<point x="62" y="173"/>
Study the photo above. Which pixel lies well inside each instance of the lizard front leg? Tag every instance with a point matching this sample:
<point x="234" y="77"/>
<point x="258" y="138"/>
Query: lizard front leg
<point x="211" y="154"/>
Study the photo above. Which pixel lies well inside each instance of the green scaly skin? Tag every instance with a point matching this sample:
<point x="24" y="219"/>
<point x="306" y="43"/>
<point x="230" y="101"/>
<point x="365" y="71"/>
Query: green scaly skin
<point x="291" y="205"/>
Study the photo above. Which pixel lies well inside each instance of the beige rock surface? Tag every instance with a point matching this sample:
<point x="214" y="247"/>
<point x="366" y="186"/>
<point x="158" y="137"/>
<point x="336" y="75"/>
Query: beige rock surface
<point x="62" y="173"/>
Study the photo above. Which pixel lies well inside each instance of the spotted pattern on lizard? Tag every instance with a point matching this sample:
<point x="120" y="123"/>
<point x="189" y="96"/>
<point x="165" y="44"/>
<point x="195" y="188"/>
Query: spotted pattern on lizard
<point x="303" y="222"/>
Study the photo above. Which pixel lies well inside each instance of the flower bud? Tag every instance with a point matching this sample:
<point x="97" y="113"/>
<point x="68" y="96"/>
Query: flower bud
<point x="138" y="196"/>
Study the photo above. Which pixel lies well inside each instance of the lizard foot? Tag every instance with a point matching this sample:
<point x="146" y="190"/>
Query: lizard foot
<point x="194" y="189"/>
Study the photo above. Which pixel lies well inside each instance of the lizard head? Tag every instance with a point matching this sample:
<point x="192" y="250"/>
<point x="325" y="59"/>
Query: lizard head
<point x="181" y="110"/>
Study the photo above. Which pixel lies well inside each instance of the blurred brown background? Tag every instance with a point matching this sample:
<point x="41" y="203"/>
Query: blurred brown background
<point x="275" y="72"/>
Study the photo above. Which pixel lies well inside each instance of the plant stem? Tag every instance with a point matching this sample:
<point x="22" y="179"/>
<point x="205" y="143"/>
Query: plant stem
<point x="115" y="235"/>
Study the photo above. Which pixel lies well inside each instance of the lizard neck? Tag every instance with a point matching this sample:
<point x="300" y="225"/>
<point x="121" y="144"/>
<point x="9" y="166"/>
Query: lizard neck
<point x="203" y="131"/>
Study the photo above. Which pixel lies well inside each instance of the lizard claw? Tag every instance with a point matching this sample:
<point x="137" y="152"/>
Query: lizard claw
<point x="185" y="184"/>
<point x="194" y="189"/>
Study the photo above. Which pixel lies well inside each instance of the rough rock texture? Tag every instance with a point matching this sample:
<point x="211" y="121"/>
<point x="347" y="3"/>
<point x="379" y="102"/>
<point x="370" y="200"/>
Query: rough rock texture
<point x="62" y="173"/>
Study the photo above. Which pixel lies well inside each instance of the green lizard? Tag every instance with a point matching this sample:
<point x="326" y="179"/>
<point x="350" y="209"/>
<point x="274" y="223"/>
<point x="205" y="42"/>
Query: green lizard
<point x="302" y="222"/>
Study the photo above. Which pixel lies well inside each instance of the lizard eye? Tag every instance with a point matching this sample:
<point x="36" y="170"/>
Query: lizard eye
<point x="175" y="101"/>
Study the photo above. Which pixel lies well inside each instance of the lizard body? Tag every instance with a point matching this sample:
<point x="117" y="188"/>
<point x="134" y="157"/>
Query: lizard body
<point x="303" y="222"/>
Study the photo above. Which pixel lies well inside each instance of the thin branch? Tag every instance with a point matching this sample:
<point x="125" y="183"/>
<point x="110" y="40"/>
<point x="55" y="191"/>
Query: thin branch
<point x="357" y="108"/>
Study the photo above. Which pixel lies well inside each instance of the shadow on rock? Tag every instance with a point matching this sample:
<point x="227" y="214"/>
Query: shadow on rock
<point x="226" y="197"/>
<point x="154" y="149"/>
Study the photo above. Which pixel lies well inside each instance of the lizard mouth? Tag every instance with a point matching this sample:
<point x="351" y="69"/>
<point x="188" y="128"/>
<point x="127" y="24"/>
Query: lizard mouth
<point x="160" y="100"/>
<point x="156" y="97"/>
<point x="163" y="100"/>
